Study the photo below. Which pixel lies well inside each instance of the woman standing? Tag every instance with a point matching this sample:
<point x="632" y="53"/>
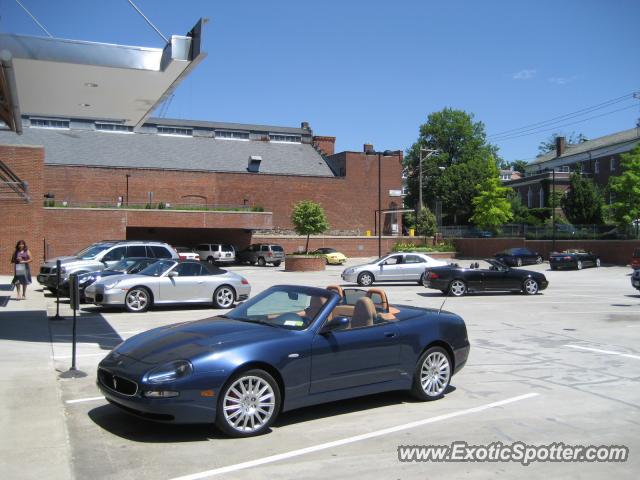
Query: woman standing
<point x="21" y="260"/>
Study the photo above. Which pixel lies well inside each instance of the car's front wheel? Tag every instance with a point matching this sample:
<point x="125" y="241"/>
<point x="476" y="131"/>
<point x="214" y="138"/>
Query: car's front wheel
<point x="530" y="286"/>
<point x="432" y="375"/>
<point x="262" y="262"/>
<point x="210" y="260"/>
<point x="137" y="300"/>
<point x="458" y="288"/>
<point x="579" y="264"/>
<point x="597" y="263"/>
<point x="519" y="262"/>
<point x="365" y="279"/>
<point x="422" y="279"/>
<point x="538" y="259"/>
<point x="277" y="264"/>
<point x="224" y="296"/>
<point x="248" y="404"/>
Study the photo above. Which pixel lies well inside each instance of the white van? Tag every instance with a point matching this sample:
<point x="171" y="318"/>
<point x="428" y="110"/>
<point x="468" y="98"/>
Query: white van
<point x="216" y="253"/>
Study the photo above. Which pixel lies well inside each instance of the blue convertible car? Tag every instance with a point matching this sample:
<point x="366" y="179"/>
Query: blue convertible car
<point x="287" y="348"/>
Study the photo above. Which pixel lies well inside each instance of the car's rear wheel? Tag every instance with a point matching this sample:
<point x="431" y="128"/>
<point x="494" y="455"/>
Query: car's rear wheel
<point x="432" y="375"/>
<point x="262" y="262"/>
<point x="519" y="262"/>
<point x="210" y="260"/>
<point x="597" y="262"/>
<point x="137" y="300"/>
<point x="422" y="279"/>
<point x="538" y="259"/>
<point x="224" y="296"/>
<point x="530" y="286"/>
<point x="249" y="404"/>
<point x="579" y="264"/>
<point x="277" y="264"/>
<point x="458" y="288"/>
<point x="365" y="279"/>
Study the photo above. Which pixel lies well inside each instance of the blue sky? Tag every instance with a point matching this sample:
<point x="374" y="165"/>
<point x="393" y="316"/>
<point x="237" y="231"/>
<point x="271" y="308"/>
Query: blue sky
<point x="371" y="71"/>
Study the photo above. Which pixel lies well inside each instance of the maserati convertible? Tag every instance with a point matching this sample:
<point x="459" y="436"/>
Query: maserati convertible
<point x="457" y="281"/>
<point x="286" y="348"/>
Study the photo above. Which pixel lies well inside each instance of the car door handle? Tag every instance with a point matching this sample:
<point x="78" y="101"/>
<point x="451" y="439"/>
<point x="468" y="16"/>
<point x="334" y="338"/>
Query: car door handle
<point x="389" y="334"/>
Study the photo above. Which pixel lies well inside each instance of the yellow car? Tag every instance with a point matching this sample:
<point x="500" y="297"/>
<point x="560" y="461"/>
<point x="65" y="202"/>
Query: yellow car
<point x="332" y="256"/>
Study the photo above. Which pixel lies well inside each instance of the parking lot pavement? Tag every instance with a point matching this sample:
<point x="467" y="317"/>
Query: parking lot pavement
<point x="560" y="366"/>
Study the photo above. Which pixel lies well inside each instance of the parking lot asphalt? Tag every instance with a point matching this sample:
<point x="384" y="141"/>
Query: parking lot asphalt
<point x="560" y="366"/>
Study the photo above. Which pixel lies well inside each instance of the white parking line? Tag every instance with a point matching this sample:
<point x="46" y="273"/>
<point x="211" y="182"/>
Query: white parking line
<point x="606" y="352"/>
<point x="81" y="400"/>
<point x="345" y="441"/>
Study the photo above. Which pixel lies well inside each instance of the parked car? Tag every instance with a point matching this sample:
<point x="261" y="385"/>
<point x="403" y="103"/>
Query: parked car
<point x="170" y="282"/>
<point x="129" y="266"/>
<point x="457" y="281"/>
<point x="635" y="259"/>
<point x="516" y="257"/>
<point x="405" y="267"/>
<point x="216" y="253"/>
<point x="186" y="253"/>
<point x="302" y="345"/>
<point x="262" y="253"/>
<point x="331" y="255"/>
<point x="573" y="259"/>
<point x="635" y="279"/>
<point x="98" y="256"/>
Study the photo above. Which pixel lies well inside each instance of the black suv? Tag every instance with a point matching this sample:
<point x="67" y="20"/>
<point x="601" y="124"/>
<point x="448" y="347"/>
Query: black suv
<point x="262" y="253"/>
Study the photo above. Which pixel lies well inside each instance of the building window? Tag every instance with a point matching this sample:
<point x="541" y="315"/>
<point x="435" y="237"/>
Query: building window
<point x="596" y="166"/>
<point x="530" y="198"/>
<point x="114" y="127"/>
<point x="48" y="123"/>
<point x="232" y="135"/>
<point x="541" y="195"/>
<point x="182" y="132"/>
<point x="585" y="167"/>
<point x="613" y="164"/>
<point x="278" y="137"/>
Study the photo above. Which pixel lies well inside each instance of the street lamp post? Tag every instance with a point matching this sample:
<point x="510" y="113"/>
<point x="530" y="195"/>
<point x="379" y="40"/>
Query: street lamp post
<point x="127" y="196"/>
<point x="553" y="209"/>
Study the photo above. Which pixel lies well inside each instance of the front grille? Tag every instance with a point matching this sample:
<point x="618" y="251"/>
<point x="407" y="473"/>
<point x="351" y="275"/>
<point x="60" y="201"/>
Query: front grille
<point x="117" y="383"/>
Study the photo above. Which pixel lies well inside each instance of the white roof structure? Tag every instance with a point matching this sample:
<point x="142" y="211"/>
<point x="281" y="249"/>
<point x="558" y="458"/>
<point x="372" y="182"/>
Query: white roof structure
<point x="77" y="79"/>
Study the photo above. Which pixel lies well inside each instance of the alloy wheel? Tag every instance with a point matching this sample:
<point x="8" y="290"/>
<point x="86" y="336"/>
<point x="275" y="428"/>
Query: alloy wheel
<point x="435" y="374"/>
<point x="579" y="265"/>
<point x="365" y="279"/>
<point x="519" y="262"/>
<point x="458" y="288"/>
<point x="137" y="300"/>
<point x="248" y="404"/>
<point x="224" y="297"/>
<point x="530" y="286"/>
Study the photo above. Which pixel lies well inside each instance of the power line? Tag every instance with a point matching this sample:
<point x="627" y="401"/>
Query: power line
<point x="566" y="116"/>
<point x="564" y="125"/>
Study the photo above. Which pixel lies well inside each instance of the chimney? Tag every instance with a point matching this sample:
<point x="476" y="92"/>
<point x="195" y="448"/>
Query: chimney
<point x="560" y="146"/>
<point x="368" y="148"/>
<point x="326" y="145"/>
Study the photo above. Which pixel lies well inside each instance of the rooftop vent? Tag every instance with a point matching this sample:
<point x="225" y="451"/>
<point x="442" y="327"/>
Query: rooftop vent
<point x="254" y="163"/>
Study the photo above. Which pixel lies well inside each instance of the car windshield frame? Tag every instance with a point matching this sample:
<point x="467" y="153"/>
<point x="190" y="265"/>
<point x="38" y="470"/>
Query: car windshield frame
<point x="159" y="268"/>
<point x="92" y="251"/>
<point x="240" y="313"/>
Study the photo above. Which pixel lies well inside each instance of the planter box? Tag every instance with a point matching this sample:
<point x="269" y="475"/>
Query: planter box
<point x="298" y="263"/>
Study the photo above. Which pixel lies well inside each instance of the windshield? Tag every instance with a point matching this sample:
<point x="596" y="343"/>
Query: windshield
<point x="122" y="265"/>
<point x="158" y="268"/>
<point x="91" y="251"/>
<point x="288" y="307"/>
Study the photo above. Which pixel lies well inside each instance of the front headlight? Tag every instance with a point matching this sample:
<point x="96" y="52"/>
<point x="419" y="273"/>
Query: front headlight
<point x="348" y="271"/>
<point x="110" y="285"/>
<point x="170" y="372"/>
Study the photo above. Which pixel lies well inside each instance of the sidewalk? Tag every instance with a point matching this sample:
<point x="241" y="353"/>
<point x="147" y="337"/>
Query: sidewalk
<point x="34" y="441"/>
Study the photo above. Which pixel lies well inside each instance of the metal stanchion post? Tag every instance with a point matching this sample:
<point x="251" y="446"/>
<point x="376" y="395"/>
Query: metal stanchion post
<point x="74" y="302"/>
<point x="58" y="267"/>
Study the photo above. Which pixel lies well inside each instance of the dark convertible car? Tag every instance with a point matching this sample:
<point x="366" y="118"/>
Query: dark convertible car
<point x="516" y="257"/>
<point x="573" y="259"/>
<point x="457" y="281"/>
<point x="289" y="347"/>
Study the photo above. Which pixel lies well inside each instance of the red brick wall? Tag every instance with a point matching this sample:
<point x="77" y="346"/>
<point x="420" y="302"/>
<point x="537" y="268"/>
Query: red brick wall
<point x="326" y="144"/>
<point x="350" y="202"/>
<point x="22" y="220"/>
<point x="617" y="252"/>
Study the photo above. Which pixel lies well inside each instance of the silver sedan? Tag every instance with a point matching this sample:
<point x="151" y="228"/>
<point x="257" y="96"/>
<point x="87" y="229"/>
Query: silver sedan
<point x="395" y="267"/>
<point x="170" y="282"/>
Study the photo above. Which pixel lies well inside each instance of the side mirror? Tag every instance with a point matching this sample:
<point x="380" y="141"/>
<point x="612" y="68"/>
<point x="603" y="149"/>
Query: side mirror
<point x="172" y="274"/>
<point x="336" y="323"/>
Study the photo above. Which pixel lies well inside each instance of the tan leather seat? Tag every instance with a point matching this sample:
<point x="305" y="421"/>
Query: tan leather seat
<point x="315" y="305"/>
<point x="337" y="289"/>
<point x="363" y="313"/>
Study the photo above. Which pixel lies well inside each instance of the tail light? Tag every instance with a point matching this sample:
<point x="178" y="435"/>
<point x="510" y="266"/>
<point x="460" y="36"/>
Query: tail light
<point x="244" y="281"/>
<point x="567" y="258"/>
<point x="431" y="275"/>
<point x="269" y="254"/>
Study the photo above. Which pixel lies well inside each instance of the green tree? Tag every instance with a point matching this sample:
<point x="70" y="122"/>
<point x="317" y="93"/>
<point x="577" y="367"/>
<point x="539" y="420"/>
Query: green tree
<point x="461" y="147"/>
<point x="519" y="165"/>
<point x="308" y="218"/>
<point x="426" y="223"/>
<point x="582" y="203"/>
<point x="625" y="190"/>
<point x="492" y="208"/>
<point x="549" y="145"/>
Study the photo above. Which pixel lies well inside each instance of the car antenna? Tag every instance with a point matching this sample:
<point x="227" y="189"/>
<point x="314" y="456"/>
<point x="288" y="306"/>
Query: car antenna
<point x="445" y="299"/>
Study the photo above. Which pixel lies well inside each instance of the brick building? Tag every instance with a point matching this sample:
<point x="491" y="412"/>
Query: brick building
<point x="598" y="159"/>
<point x="202" y="181"/>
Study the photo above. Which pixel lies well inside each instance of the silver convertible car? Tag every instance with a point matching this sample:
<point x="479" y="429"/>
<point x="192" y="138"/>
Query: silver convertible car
<point x="407" y="267"/>
<point x="169" y="282"/>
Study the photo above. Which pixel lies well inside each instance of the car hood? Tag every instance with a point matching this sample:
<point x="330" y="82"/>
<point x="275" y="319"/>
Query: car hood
<point x="70" y="262"/>
<point x="190" y="339"/>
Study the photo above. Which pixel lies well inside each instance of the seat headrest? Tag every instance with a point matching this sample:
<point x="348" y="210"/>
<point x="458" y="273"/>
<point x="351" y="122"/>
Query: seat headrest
<point x="384" y="302"/>
<point x="337" y="289"/>
<point x="363" y="313"/>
